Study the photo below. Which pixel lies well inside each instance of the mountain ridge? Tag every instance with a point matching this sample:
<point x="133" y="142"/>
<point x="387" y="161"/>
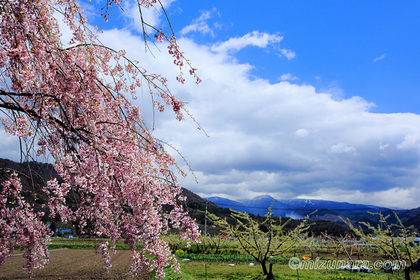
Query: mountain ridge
<point x="320" y="209"/>
<point x="36" y="174"/>
<point x="264" y="201"/>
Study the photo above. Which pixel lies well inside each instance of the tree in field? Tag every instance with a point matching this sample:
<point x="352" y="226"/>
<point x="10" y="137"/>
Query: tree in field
<point x="72" y="102"/>
<point x="394" y="241"/>
<point x="346" y="245"/>
<point x="312" y="245"/>
<point x="261" y="240"/>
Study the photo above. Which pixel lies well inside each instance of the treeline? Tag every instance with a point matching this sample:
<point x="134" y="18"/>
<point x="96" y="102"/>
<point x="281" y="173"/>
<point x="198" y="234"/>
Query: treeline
<point x="34" y="176"/>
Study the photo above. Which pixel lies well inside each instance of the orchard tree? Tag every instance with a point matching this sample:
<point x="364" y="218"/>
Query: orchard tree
<point x="346" y="244"/>
<point x="312" y="245"/>
<point x="393" y="240"/>
<point x="261" y="240"/>
<point x="72" y="102"/>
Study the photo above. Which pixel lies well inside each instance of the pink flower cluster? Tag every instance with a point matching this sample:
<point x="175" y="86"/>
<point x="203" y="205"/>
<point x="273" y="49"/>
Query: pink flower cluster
<point x="179" y="60"/>
<point x="74" y="100"/>
<point x="19" y="225"/>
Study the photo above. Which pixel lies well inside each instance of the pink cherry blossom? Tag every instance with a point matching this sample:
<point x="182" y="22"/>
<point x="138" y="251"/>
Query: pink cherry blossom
<point x="73" y="103"/>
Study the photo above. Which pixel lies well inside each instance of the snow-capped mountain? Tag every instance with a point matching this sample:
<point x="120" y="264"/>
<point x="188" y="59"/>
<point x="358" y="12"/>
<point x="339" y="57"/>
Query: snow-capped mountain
<point x="296" y="208"/>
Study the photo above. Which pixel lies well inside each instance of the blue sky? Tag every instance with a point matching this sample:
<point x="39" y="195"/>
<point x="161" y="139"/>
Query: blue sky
<point x="301" y="99"/>
<point x="367" y="48"/>
<point x="347" y="49"/>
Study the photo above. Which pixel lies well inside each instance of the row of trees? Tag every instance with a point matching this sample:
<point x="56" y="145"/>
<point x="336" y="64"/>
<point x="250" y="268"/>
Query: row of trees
<point x="394" y="241"/>
<point x="269" y="238"/>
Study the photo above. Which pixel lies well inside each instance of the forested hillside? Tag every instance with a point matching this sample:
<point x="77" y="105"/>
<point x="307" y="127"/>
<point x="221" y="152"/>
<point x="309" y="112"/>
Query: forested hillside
<point x="35" y="174"/>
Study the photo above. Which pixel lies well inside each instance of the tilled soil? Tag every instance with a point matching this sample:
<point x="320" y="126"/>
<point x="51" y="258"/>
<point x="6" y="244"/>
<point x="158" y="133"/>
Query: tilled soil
<point x="71" y="264"/>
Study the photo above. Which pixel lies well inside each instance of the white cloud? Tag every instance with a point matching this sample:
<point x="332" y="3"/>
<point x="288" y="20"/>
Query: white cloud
<point x="200" y="24"/>
<point x="398" y="197"/>
<point x="284" y="139"/>
<point x="383" y="146"/>
<point x="10" y="147"/>
<point x="410" y="141"/>
<point x="300" y="137"/>
<point x="335" y="90"/>
<point x="152" y="15"/>
<point x="379" y="58"/>
<point x="301" y="133"/>
<point x="255" y="38"/>
<point x="288" y="77"/>
<point x="289" y="54"/>
<point x="342" y="148"/>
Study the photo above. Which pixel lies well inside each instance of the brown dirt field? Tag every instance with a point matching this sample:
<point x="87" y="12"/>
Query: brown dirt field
<point x="71" y="264"/>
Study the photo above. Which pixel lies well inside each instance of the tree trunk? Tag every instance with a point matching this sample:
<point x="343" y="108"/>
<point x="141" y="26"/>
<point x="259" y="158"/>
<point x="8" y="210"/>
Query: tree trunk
<point x="270" y="275"/>
<point x="264" y="268"/>
<point x="407" y="273"/>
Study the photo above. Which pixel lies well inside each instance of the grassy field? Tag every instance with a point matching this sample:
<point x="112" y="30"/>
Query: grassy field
<point x="223" y="271"/>
<point x="85" y="264"/>
<point x="76" y="259"/>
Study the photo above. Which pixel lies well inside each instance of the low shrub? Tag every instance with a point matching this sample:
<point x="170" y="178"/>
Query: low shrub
<point x="232" y="258"/>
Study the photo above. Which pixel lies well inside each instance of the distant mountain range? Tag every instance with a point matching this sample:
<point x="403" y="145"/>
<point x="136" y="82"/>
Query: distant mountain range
<point x="327" y="216"/>
<point x="325" y="210"/>
<point x="295" y="208"/>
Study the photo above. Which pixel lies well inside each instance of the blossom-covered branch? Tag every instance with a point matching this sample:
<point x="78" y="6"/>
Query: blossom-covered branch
<point x="73" y="100"/>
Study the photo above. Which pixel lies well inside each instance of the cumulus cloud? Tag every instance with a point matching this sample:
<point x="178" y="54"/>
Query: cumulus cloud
<point x="300" y="137"/>
<point x="288" y="77"/>
<point x="385" y="198"/>
<point x="301" y="132"/>
<point x="283" y="139"/>
<point x="383" y="146"/>
<point x="342" y="148"/>
<point x="10" y="147"/>
<point x="289" y="54"/>
<point x="410" y="141"/>
<point x="255" y="38"/>
<point x="200" y="24"/>
<point x="152" y="15"/>
<point x="335" y="90"/>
